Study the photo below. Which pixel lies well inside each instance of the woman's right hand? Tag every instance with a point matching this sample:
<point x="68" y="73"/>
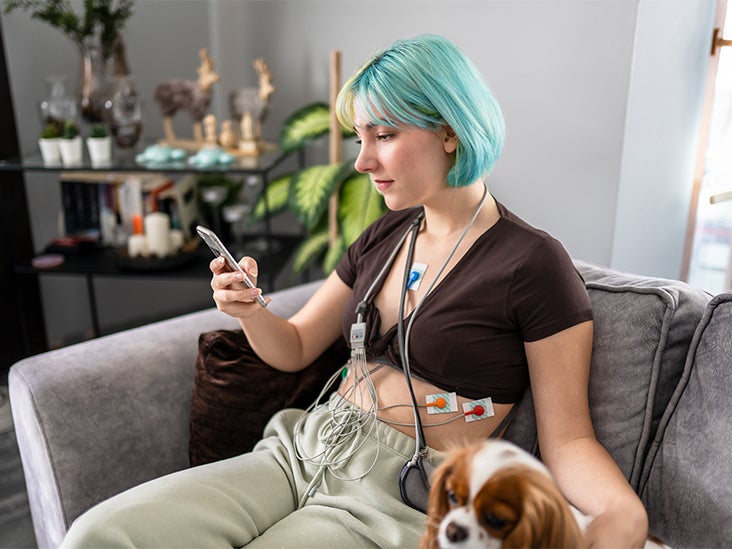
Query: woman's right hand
<point x="229" y="292"/>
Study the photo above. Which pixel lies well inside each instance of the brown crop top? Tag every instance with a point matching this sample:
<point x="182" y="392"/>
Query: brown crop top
<point x="515" y="284"/>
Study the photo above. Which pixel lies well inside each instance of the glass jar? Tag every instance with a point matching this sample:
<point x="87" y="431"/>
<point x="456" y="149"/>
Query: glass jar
<point x="58" y="106"/>
<point x="124" y="112"/>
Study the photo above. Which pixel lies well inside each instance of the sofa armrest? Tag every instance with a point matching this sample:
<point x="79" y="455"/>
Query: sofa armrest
<point x="96" y="418"/>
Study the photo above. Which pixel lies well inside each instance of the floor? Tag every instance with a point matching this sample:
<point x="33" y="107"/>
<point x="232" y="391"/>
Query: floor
<point x="16" y="528"/>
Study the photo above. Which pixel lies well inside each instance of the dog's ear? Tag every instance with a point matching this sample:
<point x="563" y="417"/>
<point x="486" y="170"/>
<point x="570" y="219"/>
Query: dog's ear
<point x="546" y="520"/>
<point x="437" y="505"/>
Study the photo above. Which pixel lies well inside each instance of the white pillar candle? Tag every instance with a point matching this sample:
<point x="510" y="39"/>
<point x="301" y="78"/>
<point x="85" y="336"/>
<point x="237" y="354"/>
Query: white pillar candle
<point x="136" y="245"/>
<point x="157" y="231"/>
<point x="176" y="240"/>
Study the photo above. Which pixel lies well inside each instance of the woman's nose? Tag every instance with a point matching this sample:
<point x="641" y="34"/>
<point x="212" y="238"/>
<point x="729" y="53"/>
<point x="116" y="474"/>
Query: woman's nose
<point x="365" y="161"/>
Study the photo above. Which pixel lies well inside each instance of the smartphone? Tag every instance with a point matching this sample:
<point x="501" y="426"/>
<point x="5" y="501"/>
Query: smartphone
<point x="218" y="249"/>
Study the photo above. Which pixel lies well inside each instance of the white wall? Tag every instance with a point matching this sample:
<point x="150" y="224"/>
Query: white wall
<point x="665" y="98"/>
<point x="601" y="98"/>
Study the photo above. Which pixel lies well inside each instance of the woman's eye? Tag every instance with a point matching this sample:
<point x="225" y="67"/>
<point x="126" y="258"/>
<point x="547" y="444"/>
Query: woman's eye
<point x="358" y="141"/>
<point x="384" y="136"/>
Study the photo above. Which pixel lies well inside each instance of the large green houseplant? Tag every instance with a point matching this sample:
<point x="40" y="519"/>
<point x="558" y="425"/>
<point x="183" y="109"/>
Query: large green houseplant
<point x="309" y="192"/>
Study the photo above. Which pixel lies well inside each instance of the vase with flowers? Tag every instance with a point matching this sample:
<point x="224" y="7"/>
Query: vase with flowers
<point x="96" y="32"/>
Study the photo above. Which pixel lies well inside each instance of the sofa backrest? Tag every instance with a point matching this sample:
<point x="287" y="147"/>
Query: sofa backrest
<point x="643" y="327"/>
<point x="687" y="480"/>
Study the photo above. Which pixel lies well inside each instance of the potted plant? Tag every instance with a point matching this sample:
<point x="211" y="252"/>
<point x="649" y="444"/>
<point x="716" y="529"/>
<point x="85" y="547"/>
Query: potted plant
<point x="48" y="142"/>
<point x="70" y="144"/>
<point x="333" y="201"/>
<point x="99" y="144"/>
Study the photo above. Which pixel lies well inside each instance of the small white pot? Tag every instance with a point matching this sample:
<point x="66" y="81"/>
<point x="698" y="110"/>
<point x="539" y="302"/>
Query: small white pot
<point x="100" y="150"/>
<point x="71" y="151"/>
<point x="50" y="150"/>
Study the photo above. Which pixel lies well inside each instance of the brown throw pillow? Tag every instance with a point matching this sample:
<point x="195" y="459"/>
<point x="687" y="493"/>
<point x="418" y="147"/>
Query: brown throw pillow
<point x="235" y="393"/>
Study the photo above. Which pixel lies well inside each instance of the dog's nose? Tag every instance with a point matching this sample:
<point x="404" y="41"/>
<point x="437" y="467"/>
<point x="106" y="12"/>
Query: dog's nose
<point x="455" y="533"/>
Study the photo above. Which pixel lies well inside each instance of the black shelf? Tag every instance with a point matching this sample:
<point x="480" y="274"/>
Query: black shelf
<point x="106" y="261"/>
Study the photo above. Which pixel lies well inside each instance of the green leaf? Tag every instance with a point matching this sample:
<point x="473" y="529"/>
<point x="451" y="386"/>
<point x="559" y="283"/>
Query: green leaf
<point x="312" y="188"/>
<point x="277" y="194"/>
<point x="360" y="205"/>
<point x="304" y="126"/>
<point x="309" y="249"/>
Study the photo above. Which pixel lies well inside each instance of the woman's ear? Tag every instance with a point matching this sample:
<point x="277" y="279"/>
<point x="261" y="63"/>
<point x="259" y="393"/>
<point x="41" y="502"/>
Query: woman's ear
<point x="449" y="140"/>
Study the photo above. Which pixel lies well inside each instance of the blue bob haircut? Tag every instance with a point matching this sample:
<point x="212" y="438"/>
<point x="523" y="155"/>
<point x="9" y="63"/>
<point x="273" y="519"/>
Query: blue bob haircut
<point x="428" y="83"/>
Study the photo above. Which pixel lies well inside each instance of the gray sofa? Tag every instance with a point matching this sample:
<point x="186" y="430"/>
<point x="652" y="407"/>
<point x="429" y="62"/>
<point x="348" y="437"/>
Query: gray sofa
<point x="96" y="418"/>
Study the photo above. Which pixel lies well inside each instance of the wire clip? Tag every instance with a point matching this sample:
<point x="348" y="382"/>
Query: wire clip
<point x="358" y="335"/>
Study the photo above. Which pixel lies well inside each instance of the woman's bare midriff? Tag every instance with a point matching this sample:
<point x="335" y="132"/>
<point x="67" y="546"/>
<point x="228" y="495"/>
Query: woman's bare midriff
<point x="395" y="408"/>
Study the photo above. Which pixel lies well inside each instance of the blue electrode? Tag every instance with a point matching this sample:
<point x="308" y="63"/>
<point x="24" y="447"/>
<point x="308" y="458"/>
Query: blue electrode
<point x="415" y="275"/>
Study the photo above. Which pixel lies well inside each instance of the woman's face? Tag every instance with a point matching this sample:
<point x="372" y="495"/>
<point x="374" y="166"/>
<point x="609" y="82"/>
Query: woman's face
<point x="407" y="165"/>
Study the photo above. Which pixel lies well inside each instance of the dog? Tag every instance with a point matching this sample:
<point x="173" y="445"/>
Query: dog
<point x="494" y="494"/>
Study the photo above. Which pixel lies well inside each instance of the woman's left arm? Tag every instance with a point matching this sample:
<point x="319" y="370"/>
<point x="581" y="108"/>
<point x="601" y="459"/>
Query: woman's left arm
<point x="559" y="366"/>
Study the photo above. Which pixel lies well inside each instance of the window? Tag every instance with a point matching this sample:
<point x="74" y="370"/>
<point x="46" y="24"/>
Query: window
<point x="708" y="257"/>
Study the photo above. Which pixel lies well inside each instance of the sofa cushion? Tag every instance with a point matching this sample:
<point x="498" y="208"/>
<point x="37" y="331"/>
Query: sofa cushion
<point x="688" y="473"/>
<point x="235" y="393"/>
<point x="643" y="328"/>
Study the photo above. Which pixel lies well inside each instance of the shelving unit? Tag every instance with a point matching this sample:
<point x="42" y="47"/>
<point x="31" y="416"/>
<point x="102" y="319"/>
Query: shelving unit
<point x="103" y="262"/>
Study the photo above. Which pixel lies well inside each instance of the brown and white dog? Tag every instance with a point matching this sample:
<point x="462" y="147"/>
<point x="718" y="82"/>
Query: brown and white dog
<point x="494" y="494"/>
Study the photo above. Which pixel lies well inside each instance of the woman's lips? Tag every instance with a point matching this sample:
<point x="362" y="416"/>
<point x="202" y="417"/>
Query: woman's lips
<point x="382" y="184"/>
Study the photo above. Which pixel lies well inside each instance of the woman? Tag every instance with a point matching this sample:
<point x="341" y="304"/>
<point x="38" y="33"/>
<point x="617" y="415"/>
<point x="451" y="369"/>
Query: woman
<point x="488" y="304"/>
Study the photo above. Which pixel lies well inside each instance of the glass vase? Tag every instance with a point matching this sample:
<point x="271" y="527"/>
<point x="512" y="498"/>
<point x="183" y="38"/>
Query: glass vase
<point x="96" y="83"/>
<point x="98" y="74"/>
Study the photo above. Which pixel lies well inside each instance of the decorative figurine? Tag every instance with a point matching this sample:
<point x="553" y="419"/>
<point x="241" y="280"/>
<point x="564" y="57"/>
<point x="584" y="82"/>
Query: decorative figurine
<point x="193" y="96"/>
<point x="209" y="131"/>
<point x="227" y="137"/>
<point x="249" y="107"/>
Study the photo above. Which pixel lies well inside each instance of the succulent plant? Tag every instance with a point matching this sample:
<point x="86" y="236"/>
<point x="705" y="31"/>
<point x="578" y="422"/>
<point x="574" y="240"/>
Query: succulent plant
<point x="98" y="130"/>
<point x="51" y="130"/>
<point x="70" y="129"/>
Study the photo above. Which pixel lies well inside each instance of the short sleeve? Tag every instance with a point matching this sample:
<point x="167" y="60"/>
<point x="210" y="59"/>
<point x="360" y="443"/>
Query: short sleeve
<point x="347" y="266"/>
<point x="548" y="294"/>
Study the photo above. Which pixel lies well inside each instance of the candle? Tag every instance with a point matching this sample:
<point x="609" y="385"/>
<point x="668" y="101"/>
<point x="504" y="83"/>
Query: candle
<point x="157" y="231"/>
<point x="137" y="245"/>
<point x="176" y="240"/>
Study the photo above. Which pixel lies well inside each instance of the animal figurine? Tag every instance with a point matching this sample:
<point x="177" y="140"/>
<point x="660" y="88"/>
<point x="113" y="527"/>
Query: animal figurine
<point x="194" y="96"/>
<point x="495" y="494"/>
<point x="249" y="107"/>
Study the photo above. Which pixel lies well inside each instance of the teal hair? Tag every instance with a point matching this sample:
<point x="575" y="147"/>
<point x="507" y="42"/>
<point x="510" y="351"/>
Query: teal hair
<point x="427" y="82"/>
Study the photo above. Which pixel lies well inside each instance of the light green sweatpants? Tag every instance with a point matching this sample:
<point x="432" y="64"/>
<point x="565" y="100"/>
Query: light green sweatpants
<point x="254" y="499"/>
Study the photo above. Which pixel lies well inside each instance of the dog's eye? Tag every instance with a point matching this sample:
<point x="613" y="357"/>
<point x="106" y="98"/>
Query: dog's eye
<point x="452" y="498"/>
<point x="494" y="521"/>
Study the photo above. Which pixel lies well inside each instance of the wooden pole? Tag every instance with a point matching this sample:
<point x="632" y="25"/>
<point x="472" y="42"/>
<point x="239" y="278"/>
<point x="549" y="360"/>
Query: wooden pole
<point x="336" y="143"/>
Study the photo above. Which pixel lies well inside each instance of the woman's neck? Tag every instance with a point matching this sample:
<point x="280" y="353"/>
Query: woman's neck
<point x="452" y="210"/>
